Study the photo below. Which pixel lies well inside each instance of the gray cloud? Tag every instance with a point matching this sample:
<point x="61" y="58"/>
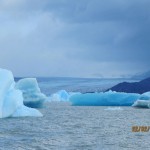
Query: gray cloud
<point x="75" y="38"/>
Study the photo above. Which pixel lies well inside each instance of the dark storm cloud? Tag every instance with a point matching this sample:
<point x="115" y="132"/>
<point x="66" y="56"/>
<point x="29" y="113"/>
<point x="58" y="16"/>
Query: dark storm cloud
<point x="112" y="30"/>
<point x="92" y="34"/>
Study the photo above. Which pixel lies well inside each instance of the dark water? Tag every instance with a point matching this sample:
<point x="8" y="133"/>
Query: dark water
<point x="66" y="127"/>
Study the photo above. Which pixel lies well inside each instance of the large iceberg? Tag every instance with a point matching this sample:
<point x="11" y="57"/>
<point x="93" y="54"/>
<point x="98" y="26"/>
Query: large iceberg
<point x="109" y="98"/>
<point x="11" y="100"/>
<point x="31" y="92"/>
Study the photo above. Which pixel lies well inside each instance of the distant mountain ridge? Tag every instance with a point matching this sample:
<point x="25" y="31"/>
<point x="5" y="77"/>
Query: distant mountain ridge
<point x="135" y="87"/>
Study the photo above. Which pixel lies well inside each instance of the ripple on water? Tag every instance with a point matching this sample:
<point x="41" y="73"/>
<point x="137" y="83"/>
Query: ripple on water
<point x="66" y="127"/>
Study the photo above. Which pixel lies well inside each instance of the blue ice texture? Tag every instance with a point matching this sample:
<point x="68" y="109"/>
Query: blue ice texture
<point x="32" y="96"/>
<point x="110" y="98"/>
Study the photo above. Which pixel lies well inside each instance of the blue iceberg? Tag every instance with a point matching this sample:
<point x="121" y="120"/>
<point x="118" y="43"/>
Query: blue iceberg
<point x="11" y="99"/>
<point x="31" y="92"/>
<point x="109" y="98"/>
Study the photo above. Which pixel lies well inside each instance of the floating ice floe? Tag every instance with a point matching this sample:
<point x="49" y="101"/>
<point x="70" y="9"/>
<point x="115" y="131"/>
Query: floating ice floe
<point x="109" y="98"/>
<point x="11" y="99"/>
<point x="142" y="104"/>
<point x="60" y="96"/>
<point x="113" y="108"/>
<point x="31" y="92"/>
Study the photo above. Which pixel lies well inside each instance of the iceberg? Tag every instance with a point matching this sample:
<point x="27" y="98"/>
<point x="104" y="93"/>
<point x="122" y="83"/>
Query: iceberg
<point x="60" y="96"/>
<point x="145" y="96"/>
<point x="142" y="104"/>
<point x="11" y="99"/>
<point x="31" y="92"/>
<point x="109" y="98"/>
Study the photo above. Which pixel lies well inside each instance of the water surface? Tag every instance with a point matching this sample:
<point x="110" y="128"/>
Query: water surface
<point x="66" y="127"/>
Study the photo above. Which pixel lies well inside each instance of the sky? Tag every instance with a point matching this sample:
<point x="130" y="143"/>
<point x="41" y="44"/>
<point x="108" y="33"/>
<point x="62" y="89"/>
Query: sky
<point x="75" y="38"/>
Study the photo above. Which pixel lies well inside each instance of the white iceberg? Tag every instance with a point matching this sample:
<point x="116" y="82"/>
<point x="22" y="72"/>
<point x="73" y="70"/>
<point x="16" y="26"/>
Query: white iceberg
<point x="109" y="98"/>
<point x="11" y="100"/>
<point x="142" y="104"/>
<point x="60" y="96"/>
<point x="31" y="92"/>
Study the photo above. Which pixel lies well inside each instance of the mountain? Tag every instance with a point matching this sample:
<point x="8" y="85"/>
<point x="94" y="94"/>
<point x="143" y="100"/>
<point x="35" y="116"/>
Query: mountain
<point x="135" y="87"/>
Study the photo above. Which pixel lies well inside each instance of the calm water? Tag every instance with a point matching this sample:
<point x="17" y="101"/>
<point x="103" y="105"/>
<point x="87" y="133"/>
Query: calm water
<point x="66" y="127"/>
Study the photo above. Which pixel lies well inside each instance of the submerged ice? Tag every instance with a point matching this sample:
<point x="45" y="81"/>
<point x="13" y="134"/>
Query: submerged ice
<point x="11" y="100"/>
<point x="31" y="92"/>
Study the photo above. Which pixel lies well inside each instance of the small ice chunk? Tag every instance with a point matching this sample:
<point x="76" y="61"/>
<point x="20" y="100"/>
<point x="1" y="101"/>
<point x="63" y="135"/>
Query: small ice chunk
<point x="142" y="104"/>
<point x="114" y="108"/>
<point x="60" y="96"/>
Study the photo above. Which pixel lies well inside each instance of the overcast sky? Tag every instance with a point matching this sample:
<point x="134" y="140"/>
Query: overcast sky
<point x="76" y="38"/>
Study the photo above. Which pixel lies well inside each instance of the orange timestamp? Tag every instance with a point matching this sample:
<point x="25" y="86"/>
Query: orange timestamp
<point x="140" y="128"/>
